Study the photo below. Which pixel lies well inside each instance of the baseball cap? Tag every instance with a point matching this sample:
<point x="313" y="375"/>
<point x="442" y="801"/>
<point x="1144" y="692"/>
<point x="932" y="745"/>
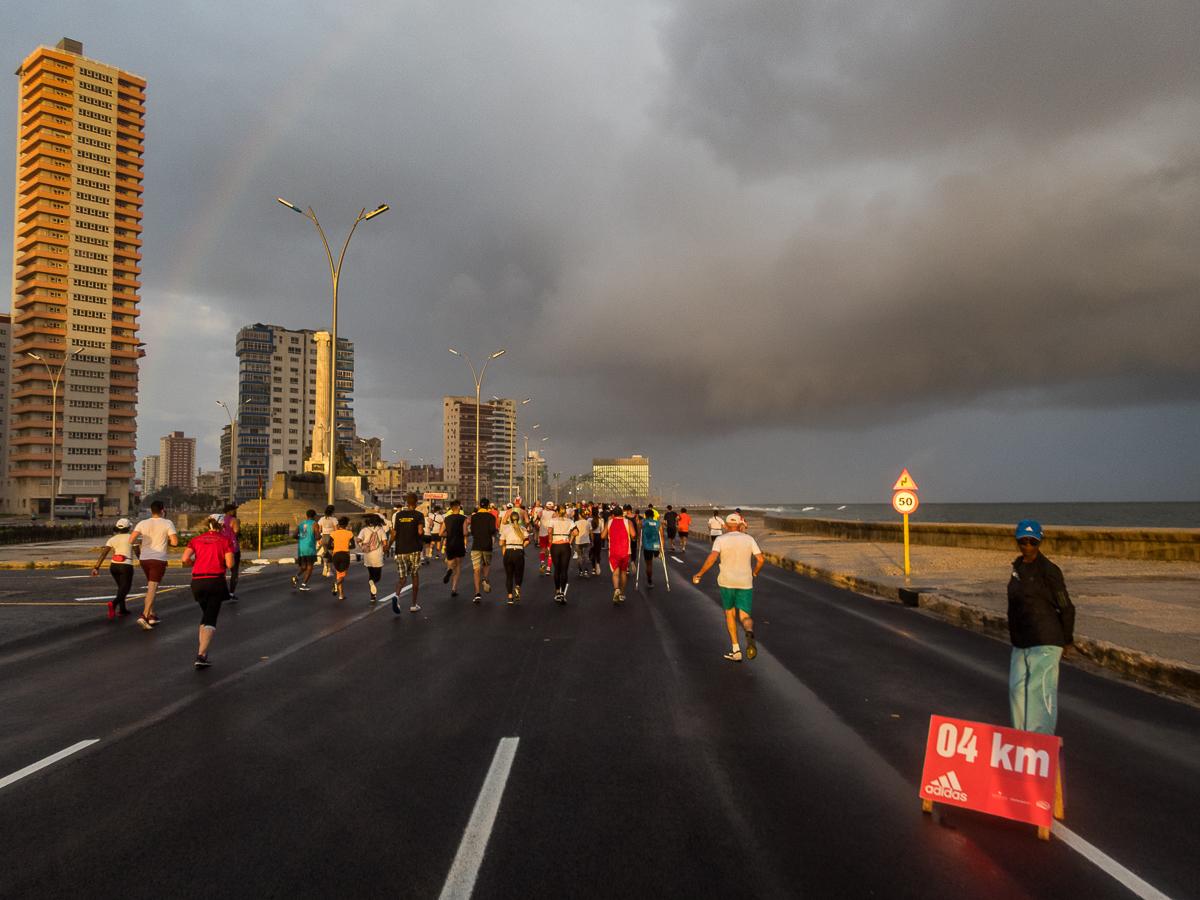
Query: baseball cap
<point x="549" y="504"/>
<point x="1028" y="528"/>
<point x="123" y="524"/>
<point x="734" y="519"/>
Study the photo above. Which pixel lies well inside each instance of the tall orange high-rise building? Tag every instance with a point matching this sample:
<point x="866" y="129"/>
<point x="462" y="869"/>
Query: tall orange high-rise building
<point x="76" y="261"/>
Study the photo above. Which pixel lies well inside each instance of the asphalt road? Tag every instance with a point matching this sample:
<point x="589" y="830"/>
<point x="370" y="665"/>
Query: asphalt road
<point x="336" y="749"/>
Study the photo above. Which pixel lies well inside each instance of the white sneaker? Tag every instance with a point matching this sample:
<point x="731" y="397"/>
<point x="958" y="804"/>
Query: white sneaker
<point x="413" y="608"/>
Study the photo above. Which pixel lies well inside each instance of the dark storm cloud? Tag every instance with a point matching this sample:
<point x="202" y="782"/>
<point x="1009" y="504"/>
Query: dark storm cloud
<point x="674" y="217"/>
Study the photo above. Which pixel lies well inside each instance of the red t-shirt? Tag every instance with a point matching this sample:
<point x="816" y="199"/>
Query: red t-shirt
<point x="619" y="532"/>
<point x="210" y="549"/>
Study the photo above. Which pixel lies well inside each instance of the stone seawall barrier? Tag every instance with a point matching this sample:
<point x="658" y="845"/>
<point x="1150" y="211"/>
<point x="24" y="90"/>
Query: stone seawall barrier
<point x="1180" y="544"/>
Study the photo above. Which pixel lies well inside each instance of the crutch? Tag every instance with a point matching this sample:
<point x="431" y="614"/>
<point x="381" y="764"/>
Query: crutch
<point x="665" y="575"/>
<point x="637" y="568"/>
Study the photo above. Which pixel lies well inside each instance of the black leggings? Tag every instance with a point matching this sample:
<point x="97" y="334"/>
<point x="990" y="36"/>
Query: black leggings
<point x="595" y="557"/>
<point x="210" y="593"/>
<point x="122" y="574"/>
<point x="374" y="573"/>
<point x="560" y="556"/>
<point x="514" y="568"/>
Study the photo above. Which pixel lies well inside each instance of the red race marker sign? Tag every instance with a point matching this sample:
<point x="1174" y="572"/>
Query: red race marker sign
<point x="1001" y="771"/>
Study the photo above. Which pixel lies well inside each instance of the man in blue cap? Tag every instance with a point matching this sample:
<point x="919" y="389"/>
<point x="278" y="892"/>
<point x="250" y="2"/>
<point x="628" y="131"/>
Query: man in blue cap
<point x="1041" y="625"/>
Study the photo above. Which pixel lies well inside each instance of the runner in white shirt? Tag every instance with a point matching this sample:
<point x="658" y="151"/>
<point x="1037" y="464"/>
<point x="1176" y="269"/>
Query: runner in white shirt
<point x="560" y="530"/>
<point x="154" y="533"/>
<point x="513" y="538"/>
<point x="371" y="540"/>
<point x="736" y="549"/>
<point x="326" y="525"/>
<point x="716" y="527"/>
<point x="583" y="542"/>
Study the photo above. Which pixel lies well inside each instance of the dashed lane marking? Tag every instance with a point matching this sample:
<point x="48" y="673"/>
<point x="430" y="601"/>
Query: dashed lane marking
<point x="161" y="590"/>
<point x="460" y="883"/>
<point x="1093" y="855"/>
<point x="48" y="761"/>
<point x="677" y="559"/>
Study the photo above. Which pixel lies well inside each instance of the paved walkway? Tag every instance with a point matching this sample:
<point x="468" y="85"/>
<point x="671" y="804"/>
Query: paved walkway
<point x="1149" y="608"/>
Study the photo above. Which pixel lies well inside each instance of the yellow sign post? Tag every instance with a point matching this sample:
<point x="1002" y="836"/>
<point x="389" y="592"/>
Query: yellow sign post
<point x="904" y="501"/>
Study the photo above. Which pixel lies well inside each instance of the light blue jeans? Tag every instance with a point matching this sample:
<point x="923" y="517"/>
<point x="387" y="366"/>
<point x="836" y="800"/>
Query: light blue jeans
<point x="1033" y="688"/>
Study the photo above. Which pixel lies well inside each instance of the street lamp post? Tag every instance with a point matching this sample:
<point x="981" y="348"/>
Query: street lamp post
<point x="232" y="452"/>
<point x="335" y="272"/>
<point x="55" y="486"/>
<point x="478" y="383"/>
<point x="512" y="462"/>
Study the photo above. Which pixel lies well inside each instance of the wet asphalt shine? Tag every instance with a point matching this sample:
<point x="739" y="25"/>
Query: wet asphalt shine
<point x="334" y="749"/>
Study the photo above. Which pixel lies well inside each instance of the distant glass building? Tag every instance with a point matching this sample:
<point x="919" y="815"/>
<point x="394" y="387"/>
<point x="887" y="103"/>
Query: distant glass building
<point x="621" y="480"/>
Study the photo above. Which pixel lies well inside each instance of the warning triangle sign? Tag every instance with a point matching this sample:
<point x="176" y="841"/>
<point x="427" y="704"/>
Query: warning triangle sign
<point x="905" y="483"/>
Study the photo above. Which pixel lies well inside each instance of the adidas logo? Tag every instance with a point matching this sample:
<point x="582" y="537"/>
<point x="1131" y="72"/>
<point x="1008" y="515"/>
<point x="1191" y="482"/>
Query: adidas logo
<point x="946" y="786"/>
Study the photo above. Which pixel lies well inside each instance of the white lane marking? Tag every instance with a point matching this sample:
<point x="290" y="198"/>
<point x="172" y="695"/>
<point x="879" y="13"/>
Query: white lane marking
<point x="48" y="761"/>
<point x="65" y="577"/>
<point x="677" y="559"/>
<point x="251" y="570"/>
<point x="1111" y="866"/>
<point x="109" y="597"/>
<point x="392" y="595"/>
<point x="461" y="880"/>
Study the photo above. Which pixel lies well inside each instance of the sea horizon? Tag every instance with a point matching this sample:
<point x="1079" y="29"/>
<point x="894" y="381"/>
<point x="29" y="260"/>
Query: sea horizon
<point x="1124" y="514"/>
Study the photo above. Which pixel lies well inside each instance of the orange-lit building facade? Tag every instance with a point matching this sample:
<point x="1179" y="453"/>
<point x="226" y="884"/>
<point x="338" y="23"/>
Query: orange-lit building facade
<point x="76" y="263"/>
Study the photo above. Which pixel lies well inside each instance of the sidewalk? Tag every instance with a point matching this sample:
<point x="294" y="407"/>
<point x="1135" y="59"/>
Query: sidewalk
<point x="1140" y="619"/>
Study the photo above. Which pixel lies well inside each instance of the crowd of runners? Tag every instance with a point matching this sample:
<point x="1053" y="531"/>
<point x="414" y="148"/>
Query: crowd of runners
<point x="584" y="535"/>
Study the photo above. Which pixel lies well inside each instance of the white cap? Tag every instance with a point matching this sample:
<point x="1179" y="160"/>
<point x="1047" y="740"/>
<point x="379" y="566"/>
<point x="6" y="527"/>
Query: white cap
<point x="549" y="504"/>
<point x="123" y="523"/>
<point x="734" y="519"/>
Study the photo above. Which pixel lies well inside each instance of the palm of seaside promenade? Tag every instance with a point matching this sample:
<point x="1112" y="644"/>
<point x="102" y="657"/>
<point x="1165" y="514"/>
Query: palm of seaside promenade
<point x="338" y="749"/>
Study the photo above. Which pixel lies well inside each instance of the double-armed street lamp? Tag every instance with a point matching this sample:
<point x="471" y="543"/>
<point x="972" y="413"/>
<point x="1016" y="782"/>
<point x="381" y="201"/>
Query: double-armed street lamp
<point x="55" y="486"/>
<point x="478" y="383"/>
<point x="335" y="271"/>
<point x="232" y="452"/>
<point x="512" y="462"/>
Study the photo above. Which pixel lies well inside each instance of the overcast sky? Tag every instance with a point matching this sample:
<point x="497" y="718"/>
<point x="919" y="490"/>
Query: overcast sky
<point x="783" y="248"/>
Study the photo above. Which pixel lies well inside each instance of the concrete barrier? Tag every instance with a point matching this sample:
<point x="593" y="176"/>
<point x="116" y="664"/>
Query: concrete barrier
<point x="1182" y="544"/>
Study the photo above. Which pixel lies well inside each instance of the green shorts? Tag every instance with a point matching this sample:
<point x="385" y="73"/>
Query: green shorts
<point x="739" y="597"/>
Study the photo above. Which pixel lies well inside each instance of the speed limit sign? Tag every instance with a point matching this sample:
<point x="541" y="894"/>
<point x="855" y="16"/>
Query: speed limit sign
<point x="904" y="502"/>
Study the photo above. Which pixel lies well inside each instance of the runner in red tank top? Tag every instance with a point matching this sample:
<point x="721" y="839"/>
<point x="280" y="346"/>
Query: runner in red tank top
<point x="620" y="532"/>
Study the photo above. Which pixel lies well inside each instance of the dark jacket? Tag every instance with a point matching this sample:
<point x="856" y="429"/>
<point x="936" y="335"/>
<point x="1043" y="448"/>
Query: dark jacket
<point x="1040" y="612"/>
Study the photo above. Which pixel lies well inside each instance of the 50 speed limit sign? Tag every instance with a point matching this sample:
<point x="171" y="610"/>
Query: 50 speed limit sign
<point x="904" y="502"/>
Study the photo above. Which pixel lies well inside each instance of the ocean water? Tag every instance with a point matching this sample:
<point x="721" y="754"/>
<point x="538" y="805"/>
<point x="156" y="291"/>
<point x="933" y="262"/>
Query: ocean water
<point x="1116" y="515"/>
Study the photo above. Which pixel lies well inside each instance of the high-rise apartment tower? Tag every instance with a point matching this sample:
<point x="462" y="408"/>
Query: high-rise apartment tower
<point x="76" y="261"/>
<point x="497" y="447"/>
<point x="283" y="402"/>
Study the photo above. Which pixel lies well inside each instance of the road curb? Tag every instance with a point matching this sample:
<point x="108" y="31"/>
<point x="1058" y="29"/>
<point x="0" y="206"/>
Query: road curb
<point x="1153" y="671"/>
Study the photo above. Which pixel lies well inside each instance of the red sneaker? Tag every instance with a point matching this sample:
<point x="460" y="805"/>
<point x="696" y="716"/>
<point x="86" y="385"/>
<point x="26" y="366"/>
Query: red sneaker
<point x="112" y="610"/>
<point x="153" y="619"/>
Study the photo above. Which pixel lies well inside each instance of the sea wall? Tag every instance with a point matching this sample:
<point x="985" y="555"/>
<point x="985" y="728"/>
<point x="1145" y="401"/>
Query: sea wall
<point x="1103" y="543"/>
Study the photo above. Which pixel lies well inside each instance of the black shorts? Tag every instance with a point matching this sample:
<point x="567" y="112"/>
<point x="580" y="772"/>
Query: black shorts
<point x="455" y="551"/>
<point x="303" y="561"/>
<point x="427" y="538"/>
<point x="649" y="554"/>
<point x="671" y="534"/>
<point x="341" y="561"/>
<point x="210" y="593"/>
